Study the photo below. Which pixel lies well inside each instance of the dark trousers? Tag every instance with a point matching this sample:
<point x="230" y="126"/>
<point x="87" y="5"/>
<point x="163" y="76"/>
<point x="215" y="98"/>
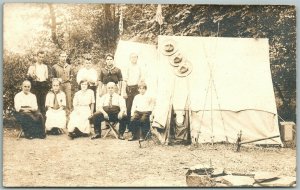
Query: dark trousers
<point x="131" y="91"/>
<point x="40" y="89"/>
<point x="112" y="112"/>
<point x="94" y="88"/>
<point x="32" y="123"/>
<point x="140" y="122"/>
<point x="66" y="87"/>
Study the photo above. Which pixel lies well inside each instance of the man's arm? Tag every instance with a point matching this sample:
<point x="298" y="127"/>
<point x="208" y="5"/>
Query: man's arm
<point x="17" y="103"/>
<point x="122" y="105"/>
<point x="120" y="83"/>
<point x="99" y="106"/>
<point x="123" y="91"/>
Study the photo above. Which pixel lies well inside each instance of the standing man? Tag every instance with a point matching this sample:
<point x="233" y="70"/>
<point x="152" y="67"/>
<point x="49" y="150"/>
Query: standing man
<point x="110" y="73"/>
<point x="132" y="77"/>
<point x="38" y="75"/>
<point x="27" y="114"/>
<point x="63" y="71"/>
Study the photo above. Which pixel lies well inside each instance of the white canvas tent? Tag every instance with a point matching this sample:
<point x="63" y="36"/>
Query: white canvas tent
<point x="229" y="89"/>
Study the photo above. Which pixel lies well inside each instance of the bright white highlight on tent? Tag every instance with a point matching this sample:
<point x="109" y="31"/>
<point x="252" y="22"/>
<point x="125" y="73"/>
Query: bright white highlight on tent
<point x="229" y="89"/>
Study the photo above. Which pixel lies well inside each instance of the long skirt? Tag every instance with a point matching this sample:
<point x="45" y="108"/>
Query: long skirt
<point x="55" y="118"/>
<point x="79" y="119"/>
<point x="32" y="123"/>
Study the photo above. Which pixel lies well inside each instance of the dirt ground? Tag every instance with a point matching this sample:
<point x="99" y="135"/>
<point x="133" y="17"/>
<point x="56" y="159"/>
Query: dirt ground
<point x="57" y="161"/>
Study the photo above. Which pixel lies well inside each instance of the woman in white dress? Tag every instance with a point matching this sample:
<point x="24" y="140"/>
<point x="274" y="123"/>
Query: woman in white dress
<point x="83" y="104"/>
<point x="55" y="104"/>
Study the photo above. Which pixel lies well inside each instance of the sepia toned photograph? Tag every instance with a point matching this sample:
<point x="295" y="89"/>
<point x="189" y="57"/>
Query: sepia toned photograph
<point x="149" y="95"/>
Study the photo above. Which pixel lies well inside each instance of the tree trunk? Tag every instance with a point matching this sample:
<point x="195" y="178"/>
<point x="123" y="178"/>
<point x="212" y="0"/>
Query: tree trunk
<point x="53" y="26"/>
<point x="107" y="19"/>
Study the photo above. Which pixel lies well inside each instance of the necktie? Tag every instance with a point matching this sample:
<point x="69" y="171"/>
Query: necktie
<point x="110" y="101"/>
<point x="55" y="103"/>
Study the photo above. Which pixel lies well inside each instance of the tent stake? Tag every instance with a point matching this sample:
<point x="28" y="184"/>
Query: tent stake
<point x="239" y="143"/>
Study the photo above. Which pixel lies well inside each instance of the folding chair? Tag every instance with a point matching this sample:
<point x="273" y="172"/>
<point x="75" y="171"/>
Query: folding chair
<point x="112" y="128"/>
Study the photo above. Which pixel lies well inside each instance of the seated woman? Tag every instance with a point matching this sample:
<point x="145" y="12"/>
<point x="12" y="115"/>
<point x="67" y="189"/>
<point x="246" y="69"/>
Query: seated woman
<point x="83" y="104"/>
<point x="27" y="114"/>
<point x="55" y="104"/>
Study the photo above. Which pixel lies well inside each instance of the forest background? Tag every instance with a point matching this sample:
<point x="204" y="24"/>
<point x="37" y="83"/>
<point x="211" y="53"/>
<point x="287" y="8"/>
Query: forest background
<point x="96" y="29"/>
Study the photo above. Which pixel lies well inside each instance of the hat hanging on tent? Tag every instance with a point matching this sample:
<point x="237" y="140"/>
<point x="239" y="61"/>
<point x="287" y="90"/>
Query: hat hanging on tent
<point x="176" y="59"/>
<point x="184" y="69"/>
<point x="168" y="47"/>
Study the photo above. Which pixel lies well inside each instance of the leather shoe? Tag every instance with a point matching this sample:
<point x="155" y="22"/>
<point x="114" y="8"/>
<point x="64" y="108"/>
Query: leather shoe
<point x="71" y="136"/>
<point x="121" y="137"/>
<point x="29" y="137"/>
<point x="96" y="136"/>
<point x="42" y="136"/>
<point x="141" y="139"/>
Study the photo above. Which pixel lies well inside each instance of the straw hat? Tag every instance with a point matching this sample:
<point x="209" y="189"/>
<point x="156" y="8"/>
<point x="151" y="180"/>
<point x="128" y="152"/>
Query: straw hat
<point x="184" y="69"/>
<point x="176" y="59"/>
<point x="168" y="47"/>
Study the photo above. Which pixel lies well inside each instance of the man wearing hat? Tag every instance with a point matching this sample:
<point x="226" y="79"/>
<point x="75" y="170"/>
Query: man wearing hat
<point x="110" y="107"/>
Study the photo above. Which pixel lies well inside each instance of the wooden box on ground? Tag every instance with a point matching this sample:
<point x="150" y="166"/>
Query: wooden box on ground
<point x="288" y="132"/>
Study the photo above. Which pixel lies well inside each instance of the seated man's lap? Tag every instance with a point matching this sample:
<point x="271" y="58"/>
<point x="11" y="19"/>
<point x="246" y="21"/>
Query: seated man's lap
<point x="112" y="114"/>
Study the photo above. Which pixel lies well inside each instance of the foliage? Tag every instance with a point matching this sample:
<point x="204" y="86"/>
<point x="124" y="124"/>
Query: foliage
<point x="275" y="22"/>
<point x="93" y="28"/>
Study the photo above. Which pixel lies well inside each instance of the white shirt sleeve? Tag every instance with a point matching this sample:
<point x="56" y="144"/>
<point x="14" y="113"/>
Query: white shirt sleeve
<point x="75" y="100"/>
<point x="126" y="74"/>
<point x="30" y="70"/>
<point x="48" y="100"/>
<point x="34" y="102"/>
<point x="134" y="105"/>
<point x="122" y="104"/>
<point x="99" y="102"/>
<point x="17" y="103"/>
<point x="94" y="76"/>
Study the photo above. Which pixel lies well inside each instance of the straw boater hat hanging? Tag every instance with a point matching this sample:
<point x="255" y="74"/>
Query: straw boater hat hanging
<point x="176" y="59"/>
<point x="168" y="47"/>
<point x="184" y="69"/>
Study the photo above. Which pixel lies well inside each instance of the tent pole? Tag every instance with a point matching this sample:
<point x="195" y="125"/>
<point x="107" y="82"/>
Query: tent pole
<point x="239" y="143"/>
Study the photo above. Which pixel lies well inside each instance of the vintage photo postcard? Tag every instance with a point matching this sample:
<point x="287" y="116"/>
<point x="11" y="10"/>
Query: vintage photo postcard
<point x="149" y="95"/>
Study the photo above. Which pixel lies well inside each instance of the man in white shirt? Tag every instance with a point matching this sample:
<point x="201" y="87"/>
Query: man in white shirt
<point x="132" y="76"/>
<point x="141" y="111"/>
<point x="38" y="75"/>
<point x="110" y="107"/>
<point x="27" y="114"/>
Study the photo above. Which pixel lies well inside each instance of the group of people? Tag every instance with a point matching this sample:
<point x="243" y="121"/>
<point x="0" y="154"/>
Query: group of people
<point x="110" y="96"/>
